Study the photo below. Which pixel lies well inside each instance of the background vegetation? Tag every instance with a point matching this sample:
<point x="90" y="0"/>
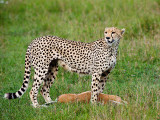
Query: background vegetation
<point x="136" y="77"/>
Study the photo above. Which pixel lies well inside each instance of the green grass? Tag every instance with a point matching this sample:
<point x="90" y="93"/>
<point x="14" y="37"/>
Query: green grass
<point x="136" y="77"/>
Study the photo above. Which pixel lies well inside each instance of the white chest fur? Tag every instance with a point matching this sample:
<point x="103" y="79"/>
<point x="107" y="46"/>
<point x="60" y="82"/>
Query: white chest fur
<point x="112" y="61"/>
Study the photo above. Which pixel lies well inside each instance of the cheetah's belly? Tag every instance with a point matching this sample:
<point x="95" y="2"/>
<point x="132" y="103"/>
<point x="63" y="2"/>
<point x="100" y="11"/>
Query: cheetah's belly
<point x="64" y="65"/>
<point x="75" y="67"/>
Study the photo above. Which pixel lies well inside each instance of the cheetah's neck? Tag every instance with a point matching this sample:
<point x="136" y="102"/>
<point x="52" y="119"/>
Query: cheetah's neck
<point x="113" y="49"/>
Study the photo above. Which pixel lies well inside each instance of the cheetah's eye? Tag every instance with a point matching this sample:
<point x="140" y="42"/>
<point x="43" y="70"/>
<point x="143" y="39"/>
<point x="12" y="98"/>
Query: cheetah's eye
<point x="113" y="32"/>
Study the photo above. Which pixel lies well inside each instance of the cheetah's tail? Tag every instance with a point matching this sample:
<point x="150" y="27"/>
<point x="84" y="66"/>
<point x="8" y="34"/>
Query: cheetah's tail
<point x="24" y="87"/>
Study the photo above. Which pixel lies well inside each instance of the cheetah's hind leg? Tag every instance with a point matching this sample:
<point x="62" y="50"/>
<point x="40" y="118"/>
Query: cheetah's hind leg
<point x="48" y="81"/>
<point x="39" y="76"/>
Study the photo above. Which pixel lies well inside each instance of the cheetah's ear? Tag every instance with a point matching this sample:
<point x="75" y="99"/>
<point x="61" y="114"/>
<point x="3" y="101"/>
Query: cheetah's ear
<point x="122" y="31"/>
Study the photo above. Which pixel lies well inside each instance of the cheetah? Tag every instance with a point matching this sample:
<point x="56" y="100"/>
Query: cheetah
<point x="46" y="53"/>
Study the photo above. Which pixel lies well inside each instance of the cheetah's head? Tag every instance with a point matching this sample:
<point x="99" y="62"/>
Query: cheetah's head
<point x="113" y="35"/>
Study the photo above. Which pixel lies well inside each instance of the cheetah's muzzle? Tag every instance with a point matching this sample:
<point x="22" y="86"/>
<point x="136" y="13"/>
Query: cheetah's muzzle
<point x="111" y="41"/>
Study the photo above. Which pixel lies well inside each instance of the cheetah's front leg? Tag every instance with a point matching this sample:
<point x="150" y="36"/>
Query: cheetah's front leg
<point x="94" y="87"/>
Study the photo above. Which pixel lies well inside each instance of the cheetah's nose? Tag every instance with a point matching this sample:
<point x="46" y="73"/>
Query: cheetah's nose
<point x="107" y="38"/>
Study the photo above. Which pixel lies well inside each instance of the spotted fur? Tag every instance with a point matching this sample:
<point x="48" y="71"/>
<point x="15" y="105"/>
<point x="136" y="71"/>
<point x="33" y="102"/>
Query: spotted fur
<point x="46" y="53"/>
